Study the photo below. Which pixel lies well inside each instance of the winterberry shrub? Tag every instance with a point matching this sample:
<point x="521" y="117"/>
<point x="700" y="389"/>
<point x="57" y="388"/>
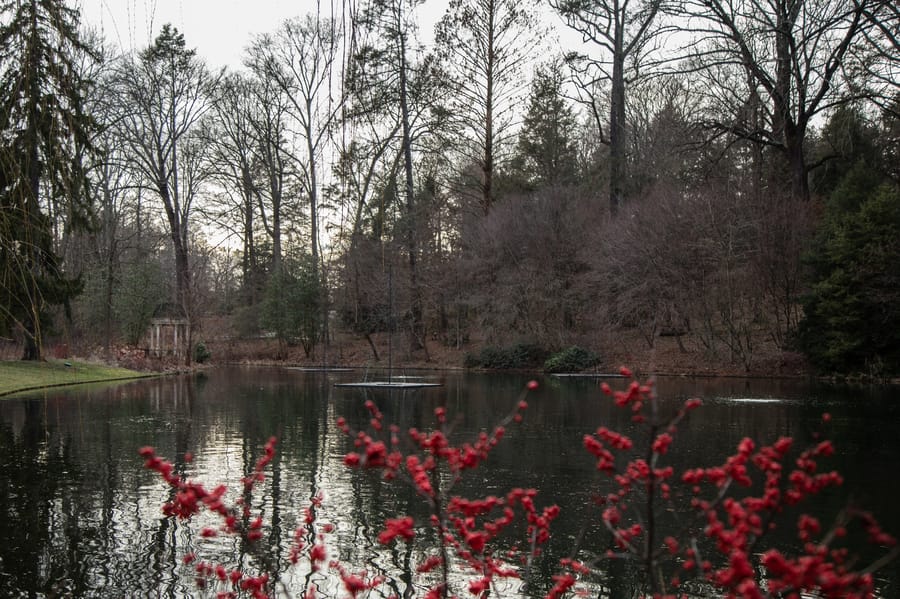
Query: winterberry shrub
<point x="698" y="532"/>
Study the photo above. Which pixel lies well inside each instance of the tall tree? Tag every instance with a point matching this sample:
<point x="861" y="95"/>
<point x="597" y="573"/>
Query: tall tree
<point x="164" y="94"/>
<point x="485" y="45"/>
<point x="301" y="59"/>
<point x="625" y="33"/>
<point x="546" y="145"/>
<point x="236" y="166"/>
<point x="273" y="146"/>
<point x="771" y="67"/>
<point x="44" y="138"/>
<point x="388" y="63"/>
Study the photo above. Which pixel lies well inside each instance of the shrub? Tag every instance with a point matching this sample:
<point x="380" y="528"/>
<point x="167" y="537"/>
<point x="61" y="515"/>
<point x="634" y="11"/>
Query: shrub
<point x="520" y="355"/>
<point x="571" y="359"/>
<point x="201" y="353"/>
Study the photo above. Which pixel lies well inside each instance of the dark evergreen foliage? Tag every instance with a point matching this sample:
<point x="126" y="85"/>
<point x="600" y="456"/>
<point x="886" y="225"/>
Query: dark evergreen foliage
<point x="571" y="359"/>
<point x="852" y="311"/>
<point x="546" y="154"/>
<point x="44" y="141"/>
<point x="518" y="356"/>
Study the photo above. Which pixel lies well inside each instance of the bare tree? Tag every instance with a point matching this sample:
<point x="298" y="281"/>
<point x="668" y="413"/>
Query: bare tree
<point x="273" y="146"/>
<point x="627" y="34"/>
<point x="164" y="94"/>
<point x="301" y="59"/>
<point x="770" y="67"/>
<point x="115" y="185"/>
<point x="682" y="263"/>
<point x="485" y="44"/>
<point x="236" y="166"/>
<point x="387" y="63"/>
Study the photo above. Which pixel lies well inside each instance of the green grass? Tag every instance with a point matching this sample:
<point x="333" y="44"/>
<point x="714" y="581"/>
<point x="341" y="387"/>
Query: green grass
<point x="22" y="376"/>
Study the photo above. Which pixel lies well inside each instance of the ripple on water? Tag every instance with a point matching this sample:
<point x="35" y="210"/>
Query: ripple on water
<point x="73" y="469"/>
<point x="754" y="400"/>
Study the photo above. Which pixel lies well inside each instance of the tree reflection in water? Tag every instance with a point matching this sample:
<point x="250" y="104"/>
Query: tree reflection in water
<point x="81" y="517"/>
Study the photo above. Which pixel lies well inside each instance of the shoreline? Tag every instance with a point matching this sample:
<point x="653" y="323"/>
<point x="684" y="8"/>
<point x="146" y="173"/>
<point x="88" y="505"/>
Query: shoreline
<point x="27" y="377"/>
<point x="661" y="360"/>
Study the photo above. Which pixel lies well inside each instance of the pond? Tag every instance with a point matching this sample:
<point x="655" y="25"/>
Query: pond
<point x="82" y="517"/>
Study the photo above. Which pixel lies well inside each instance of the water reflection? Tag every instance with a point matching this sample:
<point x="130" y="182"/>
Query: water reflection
<point x="82" y="517"/>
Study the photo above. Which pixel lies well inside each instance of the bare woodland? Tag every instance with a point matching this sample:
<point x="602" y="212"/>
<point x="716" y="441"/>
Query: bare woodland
<point x="678" y="177"/>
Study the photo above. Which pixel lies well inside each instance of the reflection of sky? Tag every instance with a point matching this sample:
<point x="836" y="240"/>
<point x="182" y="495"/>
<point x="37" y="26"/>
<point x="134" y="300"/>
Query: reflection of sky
<point x="83" y="515"/>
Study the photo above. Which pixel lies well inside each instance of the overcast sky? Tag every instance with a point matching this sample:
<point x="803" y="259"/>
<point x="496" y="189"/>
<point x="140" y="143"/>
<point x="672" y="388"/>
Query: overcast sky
<point x="218" y="29"/>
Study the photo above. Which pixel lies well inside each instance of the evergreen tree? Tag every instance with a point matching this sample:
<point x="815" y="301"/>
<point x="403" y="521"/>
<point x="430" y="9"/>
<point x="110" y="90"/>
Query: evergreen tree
<point x="847" y="139"/>
<point x="547" y="155"/>
<point x="852" y="312"/>
<point x="292" y="305"/>
<point x="44" y="139"/>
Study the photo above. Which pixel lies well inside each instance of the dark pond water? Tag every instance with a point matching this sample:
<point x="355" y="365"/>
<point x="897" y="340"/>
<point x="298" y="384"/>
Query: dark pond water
<point x="80" y="517"/>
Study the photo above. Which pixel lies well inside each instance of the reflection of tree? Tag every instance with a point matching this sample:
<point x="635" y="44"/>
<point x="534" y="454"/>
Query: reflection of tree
<point x="81" y="515"/>
<point x="163" y="557"/>
<point x="109" y="485"/>
<point x="41" y="523"/>
<point x="165" y="536"/>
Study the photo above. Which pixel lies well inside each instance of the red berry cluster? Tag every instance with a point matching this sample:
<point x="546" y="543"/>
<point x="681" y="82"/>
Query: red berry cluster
<point x="734" y="526"/>
<point x="736" y="503"/>
<point x="466" y="527"/>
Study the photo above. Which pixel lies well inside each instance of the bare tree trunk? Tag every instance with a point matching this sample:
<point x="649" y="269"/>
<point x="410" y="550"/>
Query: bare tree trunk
<point x="108" y="300"/>
<point x="488" y="166"/>
<point x="248" y="259"/>
<point x="623" y="31"/>
<point x="417" y="325"/>
<point x="796" y="159"/>
<point x="617" y="130"/>
<point x="276" y="240"/>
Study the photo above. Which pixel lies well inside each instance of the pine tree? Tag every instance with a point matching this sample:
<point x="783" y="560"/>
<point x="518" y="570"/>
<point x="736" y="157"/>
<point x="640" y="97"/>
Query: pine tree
<point x="546" y="151"/>
<point x="851" y="319"/>
<point x="44" y="140"/>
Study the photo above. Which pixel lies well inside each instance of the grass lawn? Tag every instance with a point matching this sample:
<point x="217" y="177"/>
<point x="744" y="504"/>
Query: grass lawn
<point x="19" y="376"/>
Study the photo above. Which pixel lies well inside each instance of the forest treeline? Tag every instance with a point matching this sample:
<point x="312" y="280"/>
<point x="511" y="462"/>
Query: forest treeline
<point x="726" y="172"/>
